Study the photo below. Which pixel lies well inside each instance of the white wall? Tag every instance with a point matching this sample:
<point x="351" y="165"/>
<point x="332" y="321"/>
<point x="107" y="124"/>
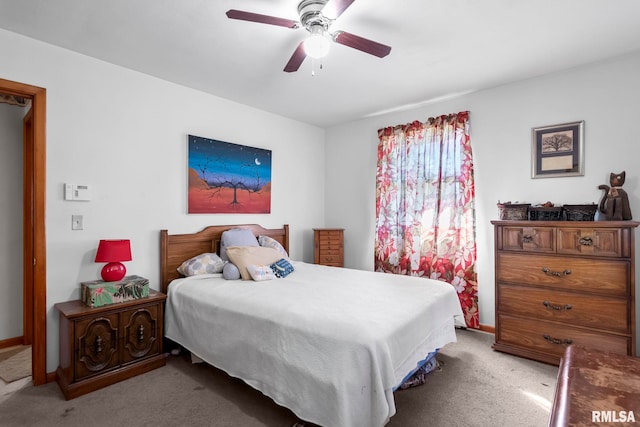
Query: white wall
<point x="605" y="95"/>
<point x="11" y="221"/>
<point x="125" y="134"/>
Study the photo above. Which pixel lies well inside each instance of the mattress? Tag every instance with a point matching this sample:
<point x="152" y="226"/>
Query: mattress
<point x="331" y="344"/>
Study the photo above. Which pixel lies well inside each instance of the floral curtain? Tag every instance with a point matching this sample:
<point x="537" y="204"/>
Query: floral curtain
<point x="425" y="216"/>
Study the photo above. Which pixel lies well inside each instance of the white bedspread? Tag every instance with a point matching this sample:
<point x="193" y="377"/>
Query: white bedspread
<point x="328" y="343"/>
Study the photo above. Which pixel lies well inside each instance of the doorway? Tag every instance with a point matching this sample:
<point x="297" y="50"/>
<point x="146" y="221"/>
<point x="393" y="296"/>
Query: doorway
<point x="34" y="236"/>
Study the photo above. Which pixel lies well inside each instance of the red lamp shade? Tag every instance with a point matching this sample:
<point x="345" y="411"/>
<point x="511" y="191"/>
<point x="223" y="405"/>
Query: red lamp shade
<point x="113" y="252"/>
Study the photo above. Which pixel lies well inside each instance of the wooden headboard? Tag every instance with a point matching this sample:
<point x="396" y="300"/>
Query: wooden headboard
<point x="177" y="248"/>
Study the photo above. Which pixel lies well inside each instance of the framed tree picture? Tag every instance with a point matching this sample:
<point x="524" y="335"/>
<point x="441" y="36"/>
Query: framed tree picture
<point x="228" y="178"/>
<point x="558" y="150"/>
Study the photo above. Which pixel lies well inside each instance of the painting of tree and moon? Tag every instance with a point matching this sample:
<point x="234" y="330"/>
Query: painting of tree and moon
<point x="228" y="178"/>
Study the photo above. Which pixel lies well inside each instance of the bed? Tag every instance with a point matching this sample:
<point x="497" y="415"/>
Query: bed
<point x="331" y="344"/>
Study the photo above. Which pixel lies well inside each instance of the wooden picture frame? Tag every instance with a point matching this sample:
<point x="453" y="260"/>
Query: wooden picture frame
<point x="228" y="178"/>
<point x="557" y="150"/>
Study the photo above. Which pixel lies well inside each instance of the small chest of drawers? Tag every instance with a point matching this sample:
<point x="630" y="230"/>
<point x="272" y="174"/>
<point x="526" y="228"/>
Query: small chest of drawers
<point x="328" y="244"/>
<point x="103" y="345"/>
<point x="564" y="282"/>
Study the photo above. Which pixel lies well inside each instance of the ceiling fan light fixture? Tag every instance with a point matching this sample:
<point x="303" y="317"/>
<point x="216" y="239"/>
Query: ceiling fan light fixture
<point x="317" y="20"/>
<point x="317" y="44"/>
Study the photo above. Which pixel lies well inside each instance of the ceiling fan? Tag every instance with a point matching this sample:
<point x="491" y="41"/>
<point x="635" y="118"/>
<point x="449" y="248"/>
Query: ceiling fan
<point x="316" y="16"/>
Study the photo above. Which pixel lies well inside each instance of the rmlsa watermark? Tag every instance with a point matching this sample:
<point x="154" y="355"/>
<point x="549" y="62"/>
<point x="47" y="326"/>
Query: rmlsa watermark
<point x="613" y="417"/>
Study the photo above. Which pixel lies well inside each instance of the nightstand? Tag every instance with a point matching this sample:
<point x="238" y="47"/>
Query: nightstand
<point x="103" y="345"/>
<point x="328" y="246"/>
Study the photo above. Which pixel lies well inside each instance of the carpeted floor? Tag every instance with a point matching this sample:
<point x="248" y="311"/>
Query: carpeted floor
<point x="475" y="386"/>
<point x="15" y="363"/>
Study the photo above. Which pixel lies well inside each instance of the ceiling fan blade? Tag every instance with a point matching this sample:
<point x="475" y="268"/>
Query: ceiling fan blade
<point x="296" y="59"/>
<point x="334" y="8"/>
<point x="263" y="19"/>
<point x="365" y="45"/>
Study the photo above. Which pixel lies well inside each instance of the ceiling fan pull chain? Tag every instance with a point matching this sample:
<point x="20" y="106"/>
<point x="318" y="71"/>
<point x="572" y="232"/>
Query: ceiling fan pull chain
<point x="313" y="66"/>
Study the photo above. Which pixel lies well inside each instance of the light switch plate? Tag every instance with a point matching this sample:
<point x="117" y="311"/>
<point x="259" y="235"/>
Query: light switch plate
<point x="77" y="222"/>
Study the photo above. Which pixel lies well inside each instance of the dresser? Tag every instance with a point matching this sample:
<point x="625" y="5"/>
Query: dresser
<point x="103" y="345"/>
<point x="559" y="283"/>
<point x="328" y="246"/>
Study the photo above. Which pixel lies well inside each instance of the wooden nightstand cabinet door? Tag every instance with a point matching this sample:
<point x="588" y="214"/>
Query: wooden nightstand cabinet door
<point x="96" y="344"/>
<point x="140" y="332"/>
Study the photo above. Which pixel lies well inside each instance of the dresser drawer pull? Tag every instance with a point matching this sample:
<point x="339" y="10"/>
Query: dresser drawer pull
<point x="527" y="238"/>
<point x="586" y="241"/>
<point x="548" y="272"/>
<point x="98" y="345"/>
<point x="141" y="333"/>
<point x="557" y="340"/>
<point x="556" y="307"/>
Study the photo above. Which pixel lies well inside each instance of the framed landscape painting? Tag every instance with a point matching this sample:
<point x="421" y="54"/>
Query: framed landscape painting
<point x="228" y="178"/>
<point x="558" y="150"/>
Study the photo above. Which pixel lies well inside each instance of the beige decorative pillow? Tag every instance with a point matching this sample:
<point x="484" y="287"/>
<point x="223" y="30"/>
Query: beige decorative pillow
<point x="243" y="256"/>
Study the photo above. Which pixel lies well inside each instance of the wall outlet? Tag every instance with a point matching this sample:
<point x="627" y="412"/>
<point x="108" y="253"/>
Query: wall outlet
<point x="77" y="222"/>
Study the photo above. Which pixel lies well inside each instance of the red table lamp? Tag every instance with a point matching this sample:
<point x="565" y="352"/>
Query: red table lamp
<point x="113" y="252"/>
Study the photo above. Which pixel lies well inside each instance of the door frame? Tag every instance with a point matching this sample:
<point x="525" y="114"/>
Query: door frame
<point x="35" y="253"/>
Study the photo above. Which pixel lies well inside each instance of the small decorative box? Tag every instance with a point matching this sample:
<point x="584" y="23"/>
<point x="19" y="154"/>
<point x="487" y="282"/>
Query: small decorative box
<point x="98" y="292"/>
<point x="580" y="212"/>
<point x="513" y="211"/>
<point x="545" y="213"/>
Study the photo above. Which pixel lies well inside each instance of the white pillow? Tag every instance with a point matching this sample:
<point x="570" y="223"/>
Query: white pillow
<point x="270" y="242"/>
<point x="206" y="263"/>
<point x="261" y="272"/>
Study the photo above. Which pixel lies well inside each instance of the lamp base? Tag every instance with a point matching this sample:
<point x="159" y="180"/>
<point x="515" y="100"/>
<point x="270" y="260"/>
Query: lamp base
<point x="113" y="272"/>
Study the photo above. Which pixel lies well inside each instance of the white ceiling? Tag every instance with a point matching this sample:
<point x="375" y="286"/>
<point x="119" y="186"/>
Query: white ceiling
<point x="440" y="48"/>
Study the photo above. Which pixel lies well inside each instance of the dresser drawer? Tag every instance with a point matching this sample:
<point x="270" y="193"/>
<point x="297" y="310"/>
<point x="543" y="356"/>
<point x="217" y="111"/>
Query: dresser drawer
<point x="326" y="245"/>
<point x="553" y="338"/>
<point x="331" y="252"/>
<point x="530" y="239"/>
<point x="597" y="242"/>
<point x="330" y="259"/>
<point x="333" y="264"/>
<point x="336" y="234"/>
<point x="567" y="307"/>
<point x="605" y="277"/>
